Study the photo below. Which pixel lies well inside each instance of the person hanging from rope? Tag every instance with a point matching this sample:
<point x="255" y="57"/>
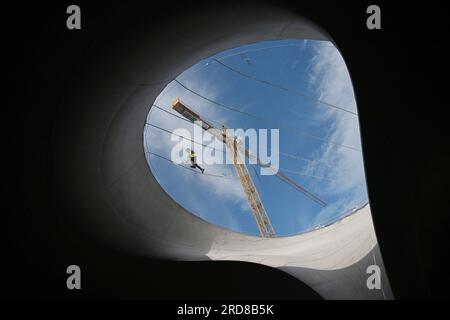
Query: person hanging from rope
<point x="193" y="158"/>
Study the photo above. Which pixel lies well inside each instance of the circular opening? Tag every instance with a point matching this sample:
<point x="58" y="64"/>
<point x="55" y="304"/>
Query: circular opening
<point x="261" y="139"/>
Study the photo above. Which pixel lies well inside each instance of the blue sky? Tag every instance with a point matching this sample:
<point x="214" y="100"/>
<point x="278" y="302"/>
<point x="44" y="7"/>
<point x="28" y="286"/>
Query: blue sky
<point x="297" y="86"/>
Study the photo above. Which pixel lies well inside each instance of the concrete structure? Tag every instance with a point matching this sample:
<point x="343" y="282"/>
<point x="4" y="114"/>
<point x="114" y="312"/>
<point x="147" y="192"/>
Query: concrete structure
<point x="99" y="157"/>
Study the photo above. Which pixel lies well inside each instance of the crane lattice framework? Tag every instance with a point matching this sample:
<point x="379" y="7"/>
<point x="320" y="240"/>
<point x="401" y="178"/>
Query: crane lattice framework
<point x="238" y="152"/>
<point x="254" y="200"/>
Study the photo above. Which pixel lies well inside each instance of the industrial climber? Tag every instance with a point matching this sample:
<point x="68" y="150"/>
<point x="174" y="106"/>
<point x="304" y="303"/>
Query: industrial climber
<point x="193" y="158"/>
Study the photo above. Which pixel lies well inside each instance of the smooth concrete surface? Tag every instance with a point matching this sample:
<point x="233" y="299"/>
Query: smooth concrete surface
<point x="336" y="246"/>
<point x="99" y="159"/>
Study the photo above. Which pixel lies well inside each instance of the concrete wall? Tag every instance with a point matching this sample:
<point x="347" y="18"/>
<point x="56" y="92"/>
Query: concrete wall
<point x="99" y="158"/>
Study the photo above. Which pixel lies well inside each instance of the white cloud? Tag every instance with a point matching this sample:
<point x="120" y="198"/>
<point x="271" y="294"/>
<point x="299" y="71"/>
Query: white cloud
<point x="227" y="188"/>
<point x="330" y="79"/>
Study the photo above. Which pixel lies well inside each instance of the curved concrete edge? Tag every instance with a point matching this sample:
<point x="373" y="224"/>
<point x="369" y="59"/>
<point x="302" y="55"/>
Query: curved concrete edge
<point x="332" y="260"/>
<point x="348" y="283"/>
<point x="100" y="163"/>
<point x="336" y="246"/>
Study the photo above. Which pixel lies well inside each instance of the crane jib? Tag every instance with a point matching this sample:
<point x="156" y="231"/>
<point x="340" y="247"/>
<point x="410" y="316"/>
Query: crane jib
<point x="256" y="205"/>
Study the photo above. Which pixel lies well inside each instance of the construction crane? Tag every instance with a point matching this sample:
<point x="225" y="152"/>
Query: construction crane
<point x="238" y="152"/>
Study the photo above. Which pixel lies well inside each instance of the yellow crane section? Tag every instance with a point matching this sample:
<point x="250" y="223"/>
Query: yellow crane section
<point x="238" y="153"/>
<point x="259" y="212"/>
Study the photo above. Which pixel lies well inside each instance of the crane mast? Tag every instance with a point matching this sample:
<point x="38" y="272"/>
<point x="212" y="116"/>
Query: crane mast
<point x="254" y="200"/>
